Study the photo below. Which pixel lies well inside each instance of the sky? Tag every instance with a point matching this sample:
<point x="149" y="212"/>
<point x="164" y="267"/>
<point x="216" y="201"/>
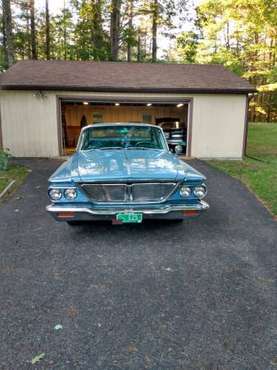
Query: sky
<point x="164" y="43"/>
<point x="54" y="5"/>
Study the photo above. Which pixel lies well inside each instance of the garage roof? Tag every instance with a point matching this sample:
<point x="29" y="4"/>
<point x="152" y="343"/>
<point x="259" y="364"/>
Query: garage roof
<point x="121" y="76"/>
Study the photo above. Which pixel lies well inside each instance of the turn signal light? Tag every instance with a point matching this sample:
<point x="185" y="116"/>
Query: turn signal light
<point x="65" y="214"/>
<point x="191" y="213"/>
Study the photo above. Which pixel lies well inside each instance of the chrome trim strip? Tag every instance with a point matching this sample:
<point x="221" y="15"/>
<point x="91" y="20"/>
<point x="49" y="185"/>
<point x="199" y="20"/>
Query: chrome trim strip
<point x="202" y="206"/>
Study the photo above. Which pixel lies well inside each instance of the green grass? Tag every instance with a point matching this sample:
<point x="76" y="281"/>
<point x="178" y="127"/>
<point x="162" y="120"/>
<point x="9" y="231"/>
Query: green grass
<point x="258" y="170"/>
<point x="14" y="172"/>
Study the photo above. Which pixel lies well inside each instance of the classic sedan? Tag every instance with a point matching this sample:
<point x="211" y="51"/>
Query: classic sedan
<point x="125" y="173"/>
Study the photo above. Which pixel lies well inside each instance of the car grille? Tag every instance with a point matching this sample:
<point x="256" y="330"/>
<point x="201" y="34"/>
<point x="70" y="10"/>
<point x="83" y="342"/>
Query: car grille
<point x="129" y="193"/>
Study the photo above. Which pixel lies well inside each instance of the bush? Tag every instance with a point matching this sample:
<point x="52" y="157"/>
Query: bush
<point x="4" y="159"/>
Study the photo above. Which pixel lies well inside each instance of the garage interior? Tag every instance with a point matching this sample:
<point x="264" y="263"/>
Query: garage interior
<point x="77" y="113"/>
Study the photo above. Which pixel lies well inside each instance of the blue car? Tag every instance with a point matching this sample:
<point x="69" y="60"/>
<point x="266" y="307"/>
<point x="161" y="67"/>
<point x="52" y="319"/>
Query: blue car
<point x="125" y="173"/>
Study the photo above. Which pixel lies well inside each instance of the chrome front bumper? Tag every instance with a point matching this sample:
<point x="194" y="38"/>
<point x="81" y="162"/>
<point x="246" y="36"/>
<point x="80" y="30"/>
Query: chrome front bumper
<point x="66" y="213"/>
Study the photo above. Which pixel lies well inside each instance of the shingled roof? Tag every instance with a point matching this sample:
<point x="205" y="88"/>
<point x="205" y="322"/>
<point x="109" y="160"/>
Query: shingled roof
<point x="122" y="77"/>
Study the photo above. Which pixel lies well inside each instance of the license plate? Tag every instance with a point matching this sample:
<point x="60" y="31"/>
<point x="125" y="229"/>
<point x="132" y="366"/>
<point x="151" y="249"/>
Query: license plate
<point x="129" y="217"/>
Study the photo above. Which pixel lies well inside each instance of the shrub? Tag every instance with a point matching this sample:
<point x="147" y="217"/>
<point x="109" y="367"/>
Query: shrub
<point x="4" y="159"/>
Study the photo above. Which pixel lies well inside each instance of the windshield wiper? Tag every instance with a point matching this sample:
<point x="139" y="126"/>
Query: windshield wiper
<point x="140" y="148"/>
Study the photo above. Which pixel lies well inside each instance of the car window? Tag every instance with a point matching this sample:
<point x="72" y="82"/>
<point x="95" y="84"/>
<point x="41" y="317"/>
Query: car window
<point x="122" y="137"/>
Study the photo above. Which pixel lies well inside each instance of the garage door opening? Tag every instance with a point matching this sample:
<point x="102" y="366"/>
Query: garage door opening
<point x="172" y="117"/>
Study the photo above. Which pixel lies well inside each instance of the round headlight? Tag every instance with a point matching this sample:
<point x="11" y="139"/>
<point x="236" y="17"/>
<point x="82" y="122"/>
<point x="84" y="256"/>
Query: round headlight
<point x="178" y="149"/>
<point x="185" y="191"/>
<point x="200" y="192"/>
<point x="55" y="194"/>
<point x="70" y="194"/>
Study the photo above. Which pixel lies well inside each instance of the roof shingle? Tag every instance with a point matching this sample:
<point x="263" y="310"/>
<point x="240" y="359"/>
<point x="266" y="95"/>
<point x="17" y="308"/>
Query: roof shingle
<point x="121" y="76"/>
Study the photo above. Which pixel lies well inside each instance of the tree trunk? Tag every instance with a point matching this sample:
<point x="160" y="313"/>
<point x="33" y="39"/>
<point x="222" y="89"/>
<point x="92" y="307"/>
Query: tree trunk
<point x="8" y="37"/>
<point x="154" y="30"/>
<point x="130" y="26"/>
<point x="29" y="46"/>
<point x="227" y="35"/>
<point x="33" y="30"/>
<point x="115" y="25"/>
<point x="4" y="38"/>
<point x="96" y="26"/>
<point x="64" y="33"/>
<point x="47" y="31"/>
<point x="139" y="49"/>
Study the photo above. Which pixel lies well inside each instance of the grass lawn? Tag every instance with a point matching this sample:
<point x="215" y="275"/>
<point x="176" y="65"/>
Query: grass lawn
<point x="258" y="170"/>
<point x="14" y="172"/>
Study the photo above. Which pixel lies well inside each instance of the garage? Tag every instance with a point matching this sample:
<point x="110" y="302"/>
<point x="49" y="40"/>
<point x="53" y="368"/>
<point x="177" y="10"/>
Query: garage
<point x="201" y="108"/>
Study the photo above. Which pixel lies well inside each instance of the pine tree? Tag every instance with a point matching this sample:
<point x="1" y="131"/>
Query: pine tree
<point x="47" y="30"/>
<point x="115" y="28"/>
<point x="33" y="29"/>
<point x="7" y="33"/>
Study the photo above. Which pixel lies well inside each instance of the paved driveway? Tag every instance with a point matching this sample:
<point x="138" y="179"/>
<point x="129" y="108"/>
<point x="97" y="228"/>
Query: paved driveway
<point x="161" y="296"/>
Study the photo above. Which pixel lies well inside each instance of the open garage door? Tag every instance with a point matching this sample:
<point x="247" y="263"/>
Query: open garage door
<point x="171" y="116"/>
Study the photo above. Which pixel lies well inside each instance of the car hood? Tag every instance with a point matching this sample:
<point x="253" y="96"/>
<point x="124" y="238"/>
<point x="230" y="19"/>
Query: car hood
<point x="125" y="165"/>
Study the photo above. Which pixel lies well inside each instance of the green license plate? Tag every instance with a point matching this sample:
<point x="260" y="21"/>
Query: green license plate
<point x="129" y="217"/>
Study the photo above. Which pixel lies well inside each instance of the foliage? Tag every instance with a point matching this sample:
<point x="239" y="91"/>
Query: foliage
<point x="14" y="172"/>
<point x="83" y="29"/>
<point x="4" y="159"/>
<point x="258" y="170"/>
<point x="242" y="35"/>
<point x="187" y="46"/>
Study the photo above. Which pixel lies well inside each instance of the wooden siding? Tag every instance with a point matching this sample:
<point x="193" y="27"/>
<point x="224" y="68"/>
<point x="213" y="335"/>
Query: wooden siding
<point x="218" y="126"/>
<point x="29" y="124"/>
<point x="74" y="112"/>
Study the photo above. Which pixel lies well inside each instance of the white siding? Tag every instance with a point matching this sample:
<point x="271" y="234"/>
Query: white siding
<point x="29" y="124"/>
<point x="30" y="127"/>
<point x="218" y="126"/>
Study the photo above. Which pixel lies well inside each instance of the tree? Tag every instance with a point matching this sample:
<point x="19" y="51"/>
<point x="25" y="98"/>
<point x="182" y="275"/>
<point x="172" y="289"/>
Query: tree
<point x="47" y="30"/>
<point x="160" y="13"/>
<point x="90" y="38"/>
<point x="187" y="43"/>
<point x="242" y="36"/>
<point x="7" y="33"/>
<point x="130" y="34"/>
<point x="33" y="29"/>
<point x="155" y="19"/>
<point x="115" y="28"/>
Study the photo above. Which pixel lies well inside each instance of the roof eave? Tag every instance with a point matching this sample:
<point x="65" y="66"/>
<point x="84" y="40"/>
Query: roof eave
<point x="130" y="89"/>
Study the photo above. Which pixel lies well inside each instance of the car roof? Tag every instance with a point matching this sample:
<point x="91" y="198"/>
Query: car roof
<point x="106" y="124"/>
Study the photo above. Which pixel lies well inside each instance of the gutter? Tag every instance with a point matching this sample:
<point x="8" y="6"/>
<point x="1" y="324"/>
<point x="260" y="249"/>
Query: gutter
<point x="129" y="89"/>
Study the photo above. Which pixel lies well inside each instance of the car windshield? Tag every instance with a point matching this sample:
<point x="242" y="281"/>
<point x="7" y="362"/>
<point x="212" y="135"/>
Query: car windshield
<point x="122" y="137"/>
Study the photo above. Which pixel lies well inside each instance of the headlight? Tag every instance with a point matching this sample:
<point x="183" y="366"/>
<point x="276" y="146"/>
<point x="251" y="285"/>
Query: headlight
<point x="178" y="149"/>
<point x="55" y="194"/>
<point x="185" y="191"/>
<point x="70" y="194"/>
<point x="200" y="191"/>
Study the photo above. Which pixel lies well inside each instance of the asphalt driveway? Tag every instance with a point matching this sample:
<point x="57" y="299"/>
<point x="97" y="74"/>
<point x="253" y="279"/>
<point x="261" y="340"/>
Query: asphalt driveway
<point x="160" y="296"/>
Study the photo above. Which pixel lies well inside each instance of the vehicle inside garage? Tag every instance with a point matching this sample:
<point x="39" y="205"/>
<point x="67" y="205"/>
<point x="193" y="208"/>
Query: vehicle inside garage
<point x="172" y="117"/>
